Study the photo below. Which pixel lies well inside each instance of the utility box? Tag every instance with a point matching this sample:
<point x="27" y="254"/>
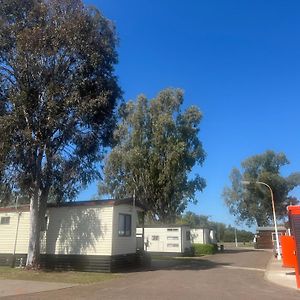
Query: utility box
<point x="288" y="247"/>
<point x="294" y="218"/>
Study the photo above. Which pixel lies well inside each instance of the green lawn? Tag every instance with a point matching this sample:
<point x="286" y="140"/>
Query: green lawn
<point x="55" y="276"/>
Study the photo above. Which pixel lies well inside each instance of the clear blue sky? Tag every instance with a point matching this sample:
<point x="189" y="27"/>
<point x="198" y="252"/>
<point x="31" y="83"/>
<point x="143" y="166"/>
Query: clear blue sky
<point x="239" y="61"/>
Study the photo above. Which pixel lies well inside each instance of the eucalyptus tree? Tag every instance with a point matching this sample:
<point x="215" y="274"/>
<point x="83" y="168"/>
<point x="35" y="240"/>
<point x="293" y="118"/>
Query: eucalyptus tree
<point x="58" y="93"/>
<point x="156" y="146"/>
<point x="252" y="203"/>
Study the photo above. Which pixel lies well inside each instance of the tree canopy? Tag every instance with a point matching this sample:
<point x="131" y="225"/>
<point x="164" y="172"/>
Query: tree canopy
<point x="156" y="145"/>
<point x="224" y="233"/>
<point x="58" y="93"/>
<point x="252" y="203"/>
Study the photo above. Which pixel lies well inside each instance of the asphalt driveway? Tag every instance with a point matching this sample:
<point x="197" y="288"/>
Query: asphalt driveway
<point x="234" y="274"/>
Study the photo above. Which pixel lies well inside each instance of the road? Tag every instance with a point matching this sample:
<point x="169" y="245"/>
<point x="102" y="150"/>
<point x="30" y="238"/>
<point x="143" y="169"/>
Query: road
<point x="234" y="274"/>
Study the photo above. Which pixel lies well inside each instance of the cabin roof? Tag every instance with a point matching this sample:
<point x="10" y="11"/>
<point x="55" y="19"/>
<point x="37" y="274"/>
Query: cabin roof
<point x="93" y="203"/>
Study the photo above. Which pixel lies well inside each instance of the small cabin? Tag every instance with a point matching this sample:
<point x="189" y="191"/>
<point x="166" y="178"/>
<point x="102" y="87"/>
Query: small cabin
<point x="265" y="237"/>
<point x="203" y="236"/>
<point x="168" y="239"/>
<point x="89" y="235"/>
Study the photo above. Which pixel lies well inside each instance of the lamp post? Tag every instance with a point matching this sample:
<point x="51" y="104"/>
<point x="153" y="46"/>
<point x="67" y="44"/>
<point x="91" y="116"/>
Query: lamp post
<point x="274" y="214"/>
<point x="235" y="238"/>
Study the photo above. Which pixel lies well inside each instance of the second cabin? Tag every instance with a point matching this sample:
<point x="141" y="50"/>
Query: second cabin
<point x="172" y="239"/>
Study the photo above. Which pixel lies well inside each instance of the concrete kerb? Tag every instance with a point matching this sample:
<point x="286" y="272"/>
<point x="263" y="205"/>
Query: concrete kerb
<point x="279" y="275"/>
<point x="22" y="287"/>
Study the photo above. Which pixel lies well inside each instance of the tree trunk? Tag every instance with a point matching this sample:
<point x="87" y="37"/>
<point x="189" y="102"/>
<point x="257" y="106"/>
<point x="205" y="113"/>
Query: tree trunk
<point x="33" y="253"/>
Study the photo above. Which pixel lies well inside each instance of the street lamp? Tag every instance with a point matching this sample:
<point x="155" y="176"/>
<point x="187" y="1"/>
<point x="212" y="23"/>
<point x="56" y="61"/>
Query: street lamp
<point x="274" y="214"/>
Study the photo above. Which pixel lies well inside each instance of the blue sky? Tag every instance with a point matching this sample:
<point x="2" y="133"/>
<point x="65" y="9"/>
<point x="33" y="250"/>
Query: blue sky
<point x="239" y="61"/>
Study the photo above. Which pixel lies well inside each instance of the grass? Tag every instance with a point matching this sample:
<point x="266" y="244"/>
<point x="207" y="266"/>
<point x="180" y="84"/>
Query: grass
<point x="55" y="276"/>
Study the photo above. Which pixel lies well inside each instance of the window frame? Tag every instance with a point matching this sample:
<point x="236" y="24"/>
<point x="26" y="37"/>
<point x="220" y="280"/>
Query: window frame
<point x="126" y="230"/>
<point x="155" y="238"/>
<point x="172" y="238"/>
<point x="2" y="222"/>
<point x="188" y="235"/>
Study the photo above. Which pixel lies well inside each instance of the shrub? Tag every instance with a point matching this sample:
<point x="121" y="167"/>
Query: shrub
<point x="202" y="249"/>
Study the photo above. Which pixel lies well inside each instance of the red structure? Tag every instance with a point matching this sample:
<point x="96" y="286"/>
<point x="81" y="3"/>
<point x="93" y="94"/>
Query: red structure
<point x="288" y="247"/>
<point x="294" y="217"/>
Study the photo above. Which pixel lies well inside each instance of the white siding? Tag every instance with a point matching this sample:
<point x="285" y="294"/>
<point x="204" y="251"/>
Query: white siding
<point x="197" y="236"/>
<point x="213" y="236"/>
<point x="124" y="244"/>
<point x="73" y="230"/>
<point x="8" y="233"/>
<point x="186" y="243"/>
<point x="202" y="236"/>
<point x="163" y="239"/>
<point x="78" y="230"/>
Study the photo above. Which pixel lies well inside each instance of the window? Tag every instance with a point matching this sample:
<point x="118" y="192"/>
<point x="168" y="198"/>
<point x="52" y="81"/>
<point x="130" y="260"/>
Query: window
<point x="188" y="235"/>
<point x="5" y="220"/>
<point x="274" y="236"/>
<point x="174" y="238"/>
<point x="155" y="238"/>
<point x="124" y="225"/>
<point x="172" y="229"/>
<point x="173" y="245"/>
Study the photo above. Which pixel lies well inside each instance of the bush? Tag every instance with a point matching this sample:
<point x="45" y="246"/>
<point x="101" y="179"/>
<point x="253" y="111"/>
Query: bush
<point x="202" y="249"/>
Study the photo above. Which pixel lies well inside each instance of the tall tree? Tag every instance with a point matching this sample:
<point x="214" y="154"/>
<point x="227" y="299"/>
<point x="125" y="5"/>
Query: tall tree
<point x="193" y="220"/>
<point x="156" y="147"/>
<point x="252" y="203"/>
<point x="58" y="93"/>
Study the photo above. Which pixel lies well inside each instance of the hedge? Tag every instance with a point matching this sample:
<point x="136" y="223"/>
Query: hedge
<point x="202" y="249"/>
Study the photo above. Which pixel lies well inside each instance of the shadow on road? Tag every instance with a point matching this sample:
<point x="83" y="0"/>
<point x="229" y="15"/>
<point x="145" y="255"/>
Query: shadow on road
<point x="218" y="260"/>
<point x="179" y="264"/>
<point x="186" y="264"/>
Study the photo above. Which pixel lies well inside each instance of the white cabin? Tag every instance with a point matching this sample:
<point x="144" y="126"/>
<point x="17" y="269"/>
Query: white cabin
<point x="166" y="238"/>
<point x="203" y="236"/>
<point x="93" y="235"/>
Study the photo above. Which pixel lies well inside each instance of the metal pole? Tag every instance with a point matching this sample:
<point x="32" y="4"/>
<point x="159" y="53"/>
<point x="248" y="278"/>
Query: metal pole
<point x="235" y="238"/>
<point x="274" y="215"/>
<point x="275" y="222"/>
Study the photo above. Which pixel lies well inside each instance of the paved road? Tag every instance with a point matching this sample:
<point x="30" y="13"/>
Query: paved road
<point x="231" y="275"/>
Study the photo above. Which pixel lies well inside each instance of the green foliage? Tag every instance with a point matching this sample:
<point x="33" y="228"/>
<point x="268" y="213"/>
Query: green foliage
<point x="242" y="235"/>
<point x="224" y="233"/>
<point x="194" y="220"/>
<point x="57" y="95"/>
<point x="252" y="203"/>
<point x="156" y="147"/>
<point x="204" y="249"/>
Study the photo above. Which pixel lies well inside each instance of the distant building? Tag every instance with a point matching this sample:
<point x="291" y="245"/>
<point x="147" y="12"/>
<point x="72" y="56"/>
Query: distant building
<point x="172" y="239"/>
<point x="265" y="236"/>
<point x="203" y="236"/>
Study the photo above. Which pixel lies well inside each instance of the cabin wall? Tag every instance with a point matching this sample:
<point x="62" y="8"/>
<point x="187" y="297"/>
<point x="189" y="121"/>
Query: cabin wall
<point x="162" y="239"/>
<point x="75" y="238"/>
<point x="9" y="234"/>
<point x="186" y="239"/>
<point x="78" y="230"/>
<point x="264" y="239"/>
<point x="197" y="236"/>
<point x="123" y="244"/>
<point x="203" y="236"/>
